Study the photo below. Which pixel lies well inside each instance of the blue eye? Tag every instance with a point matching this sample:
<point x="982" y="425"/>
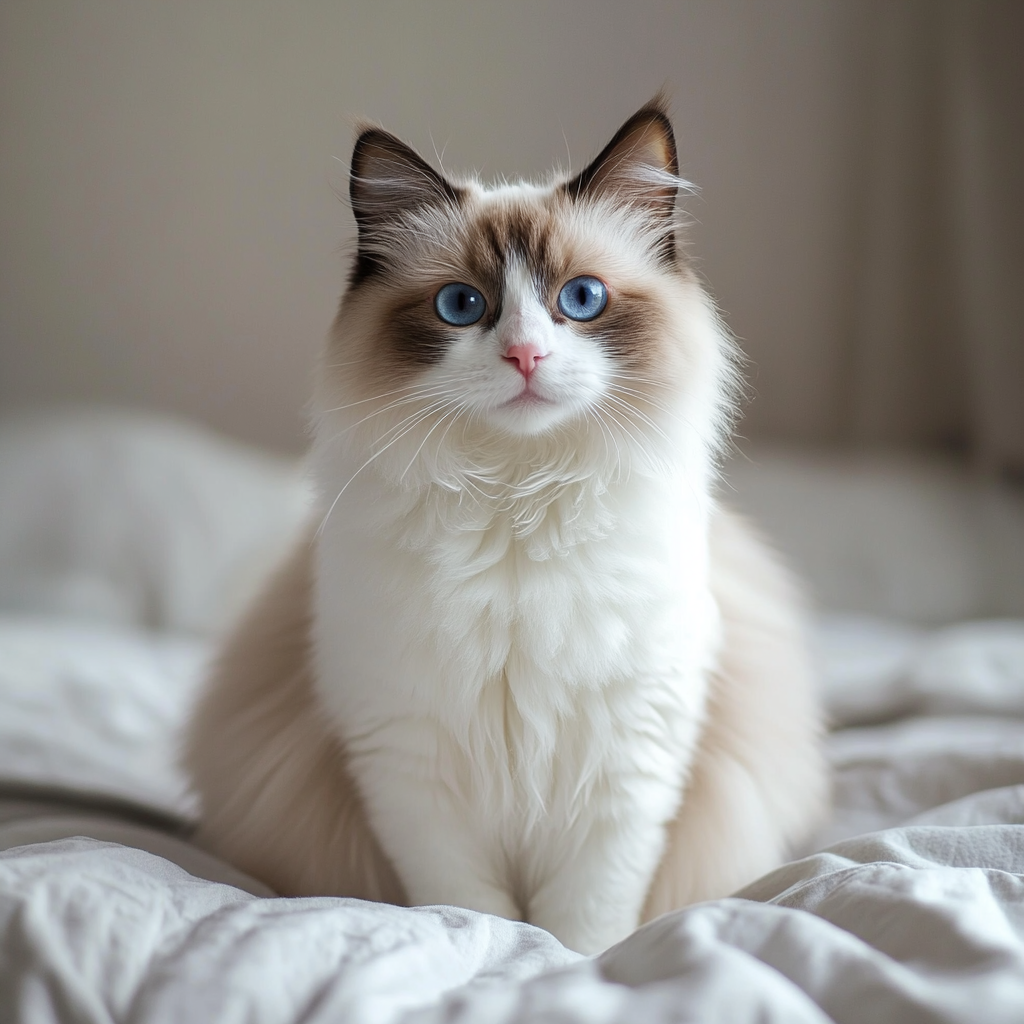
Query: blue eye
<point x="459" y="305"/>
<point x="583" y="298"/>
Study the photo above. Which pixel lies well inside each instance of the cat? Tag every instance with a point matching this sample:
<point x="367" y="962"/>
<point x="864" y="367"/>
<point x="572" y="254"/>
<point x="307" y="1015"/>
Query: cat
<point x="524" y="663"/>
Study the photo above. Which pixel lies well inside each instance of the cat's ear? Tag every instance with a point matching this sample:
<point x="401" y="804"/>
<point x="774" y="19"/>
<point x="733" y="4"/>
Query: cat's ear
<point x="639" y="166"/>
<point x="389" y="180"/>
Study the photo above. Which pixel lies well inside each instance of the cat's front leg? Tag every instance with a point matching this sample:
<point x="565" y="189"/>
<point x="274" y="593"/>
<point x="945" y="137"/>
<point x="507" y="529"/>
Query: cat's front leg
<point x="593" y="894"/>
<point x="439" y="855"/>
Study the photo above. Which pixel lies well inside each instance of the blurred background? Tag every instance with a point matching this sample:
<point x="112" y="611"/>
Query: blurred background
<point x="170" y="238"/>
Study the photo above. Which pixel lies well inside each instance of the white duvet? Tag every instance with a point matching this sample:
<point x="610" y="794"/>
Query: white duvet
<point x="107" y="913"/>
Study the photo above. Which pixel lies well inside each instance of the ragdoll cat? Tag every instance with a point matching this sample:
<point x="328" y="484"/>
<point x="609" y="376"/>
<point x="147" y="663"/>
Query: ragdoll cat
<point x="526" y="665"/>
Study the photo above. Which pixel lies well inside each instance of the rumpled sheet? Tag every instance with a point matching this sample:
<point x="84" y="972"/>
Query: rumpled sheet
<point x="922" y="922"/>
<point x="916" y="924"/>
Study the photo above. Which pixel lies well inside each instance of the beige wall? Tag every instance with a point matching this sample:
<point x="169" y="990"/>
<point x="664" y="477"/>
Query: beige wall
<point x="168" y="233"/>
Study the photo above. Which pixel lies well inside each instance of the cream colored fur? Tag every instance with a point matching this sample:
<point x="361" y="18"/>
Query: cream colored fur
<point x="278" y="799"/>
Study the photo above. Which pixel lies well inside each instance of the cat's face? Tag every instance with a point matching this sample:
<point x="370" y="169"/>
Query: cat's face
<point x="519" y="308"/>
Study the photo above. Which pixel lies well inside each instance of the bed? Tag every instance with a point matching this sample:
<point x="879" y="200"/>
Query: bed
<point x="128" y="542"/>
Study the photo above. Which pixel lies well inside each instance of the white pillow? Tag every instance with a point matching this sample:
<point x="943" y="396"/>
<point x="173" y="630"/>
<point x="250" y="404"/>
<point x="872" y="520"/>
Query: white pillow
<point x="898" y="536"/>
<point x="138" y="520"/>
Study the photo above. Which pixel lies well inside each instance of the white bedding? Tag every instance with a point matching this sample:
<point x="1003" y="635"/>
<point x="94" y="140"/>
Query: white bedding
<point x="129" y="922"/>
<point x="892" y="927"/>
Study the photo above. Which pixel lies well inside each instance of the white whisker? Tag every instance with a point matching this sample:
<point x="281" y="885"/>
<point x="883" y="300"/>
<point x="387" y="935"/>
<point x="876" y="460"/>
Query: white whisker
<point x="397" y="404"/>
<point x="633" y="411"/>
<point x="374" y="456"/>
<point x="426" y="438"/>
<point x="395" y="391"/>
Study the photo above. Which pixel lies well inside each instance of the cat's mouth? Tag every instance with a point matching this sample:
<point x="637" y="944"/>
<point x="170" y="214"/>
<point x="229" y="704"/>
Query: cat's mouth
<point x="525" y="398"/>
<point x="529" y="412"/>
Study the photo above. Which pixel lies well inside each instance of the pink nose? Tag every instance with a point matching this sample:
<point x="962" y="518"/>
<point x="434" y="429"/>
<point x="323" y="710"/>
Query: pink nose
<point x="525" y="357"/>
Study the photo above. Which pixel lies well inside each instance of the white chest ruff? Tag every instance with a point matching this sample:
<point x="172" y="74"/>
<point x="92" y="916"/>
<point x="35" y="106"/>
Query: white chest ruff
<point x="530" y="688"/>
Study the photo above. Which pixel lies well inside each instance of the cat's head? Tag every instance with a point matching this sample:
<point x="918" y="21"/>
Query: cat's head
<point x="525" y="311"/>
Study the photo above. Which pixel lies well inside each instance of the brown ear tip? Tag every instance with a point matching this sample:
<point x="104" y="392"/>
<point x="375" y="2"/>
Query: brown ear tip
<point x="658" y="106"/>
<point x="366" y="140"/>
<point x="387" y="176"/>
<point x="372" y="136"/>
<point x="652" y="119"/>
<point x="375" y="147"/>
<point x="656" y="115"/>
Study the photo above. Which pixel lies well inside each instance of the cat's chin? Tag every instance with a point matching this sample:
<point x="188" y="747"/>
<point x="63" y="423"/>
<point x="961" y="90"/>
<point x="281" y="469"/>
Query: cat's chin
<point x="529" y="414"/>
